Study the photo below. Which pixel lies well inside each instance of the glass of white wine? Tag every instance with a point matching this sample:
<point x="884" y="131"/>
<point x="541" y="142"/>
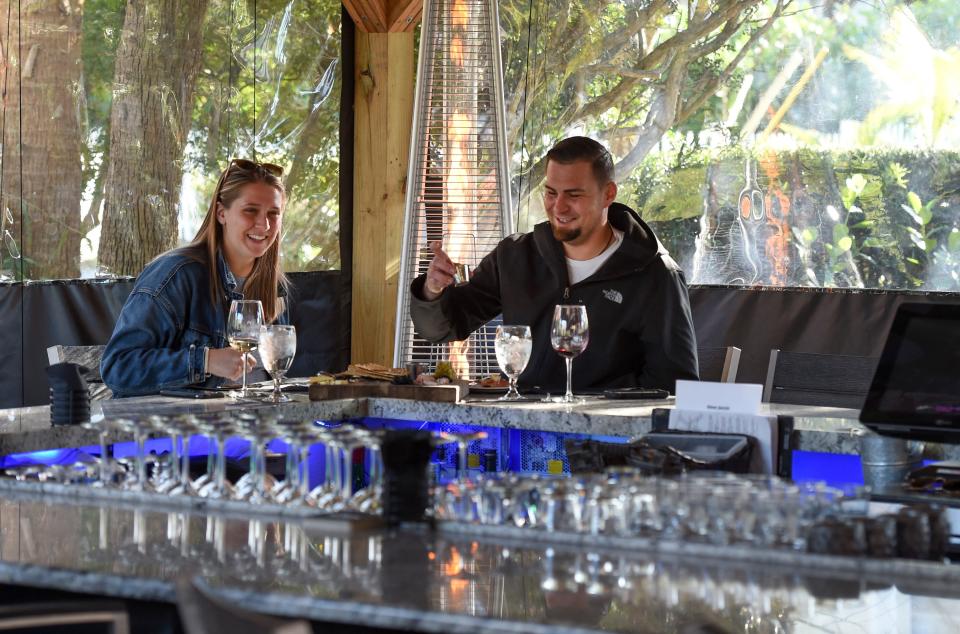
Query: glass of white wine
<point x="243" y="330"/>
<point x="513" y="346"/>
<point x="278" y="344"/>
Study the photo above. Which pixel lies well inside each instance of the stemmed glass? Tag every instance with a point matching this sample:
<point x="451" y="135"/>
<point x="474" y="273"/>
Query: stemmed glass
<point x="298" y="435"/>
<point x="368" y="499"/>
<point x="140" y="429"/>
<point x="217" y="487"/>
<point x="108" y="467"/>
<point x="513" y="346"/>
<point x="569" y="336"/>
<point x="243" y="330"/>
<point x="254" y="486"/>
<point x="327" y="495"/>
<point x="278" y="344"/>
<point x="463" y="440"/>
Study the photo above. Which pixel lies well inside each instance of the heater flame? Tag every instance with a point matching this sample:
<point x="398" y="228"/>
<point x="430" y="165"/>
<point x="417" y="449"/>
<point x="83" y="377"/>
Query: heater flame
<point x="460" y="14"/>
<point x="459" y="215"/>
<point x="452" y="570"/>
<point x="776" y="244"/>
<point x="456" y="51"/>
<point x="459" y="185"/>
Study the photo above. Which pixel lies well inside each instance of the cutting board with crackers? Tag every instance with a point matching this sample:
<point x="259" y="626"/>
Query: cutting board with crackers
<point x="373" y="380"/>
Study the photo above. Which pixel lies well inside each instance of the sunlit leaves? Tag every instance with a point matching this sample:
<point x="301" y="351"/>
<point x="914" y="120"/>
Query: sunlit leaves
<point x="922" y="90"/>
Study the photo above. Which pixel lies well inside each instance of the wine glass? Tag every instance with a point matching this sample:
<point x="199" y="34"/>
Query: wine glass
<point x="243" y="330"/>
<point x="569" y="336"/>
<point x="278" y="344"/>
<point x="513" y="346"/>
<point x="463" y="440"/>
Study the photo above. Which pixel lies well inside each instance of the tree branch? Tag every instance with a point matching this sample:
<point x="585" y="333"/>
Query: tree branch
<point x="660" y="116"/>
<point x="708" y="86"/>
<point x="686" y="38"/>
<point x="623" y="71"/>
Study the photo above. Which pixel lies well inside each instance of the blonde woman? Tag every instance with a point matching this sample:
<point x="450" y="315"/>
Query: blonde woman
<point x="172" y="329"/>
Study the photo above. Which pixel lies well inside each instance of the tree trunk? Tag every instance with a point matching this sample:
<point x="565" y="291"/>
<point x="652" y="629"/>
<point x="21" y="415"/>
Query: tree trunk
<point x="42" y="182"/>
<point x="156" y="70"/>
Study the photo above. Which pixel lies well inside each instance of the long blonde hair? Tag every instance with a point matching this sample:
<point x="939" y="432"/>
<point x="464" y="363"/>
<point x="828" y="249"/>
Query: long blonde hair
<point x="267" y="276"/>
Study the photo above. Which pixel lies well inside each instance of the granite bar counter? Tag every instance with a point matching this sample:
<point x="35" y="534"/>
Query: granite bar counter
<point x="459" y="578"/>
<point x="820" y="429"/>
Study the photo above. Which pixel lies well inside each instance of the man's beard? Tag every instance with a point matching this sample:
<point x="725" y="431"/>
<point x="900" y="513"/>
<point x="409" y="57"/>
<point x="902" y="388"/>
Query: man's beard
<point x="565" y="235"/>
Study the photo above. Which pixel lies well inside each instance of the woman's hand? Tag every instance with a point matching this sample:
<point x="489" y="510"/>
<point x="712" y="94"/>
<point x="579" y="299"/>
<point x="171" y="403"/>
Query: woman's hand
<point x="228" y="363"/>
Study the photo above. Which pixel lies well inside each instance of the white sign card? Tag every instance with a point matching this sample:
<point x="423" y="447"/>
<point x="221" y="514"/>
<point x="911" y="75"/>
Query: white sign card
<point x="729" y="398"/>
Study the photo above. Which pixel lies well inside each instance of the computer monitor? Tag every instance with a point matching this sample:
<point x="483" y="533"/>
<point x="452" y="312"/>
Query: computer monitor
<point x="915" y="391"/>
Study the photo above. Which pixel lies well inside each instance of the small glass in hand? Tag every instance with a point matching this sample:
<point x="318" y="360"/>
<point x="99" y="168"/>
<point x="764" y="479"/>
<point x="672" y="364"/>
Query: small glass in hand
<point x="278" y="344"/>
<point x="569" y="336"/>
<point x="243" y="330"/>
<point x="513" y="346"/>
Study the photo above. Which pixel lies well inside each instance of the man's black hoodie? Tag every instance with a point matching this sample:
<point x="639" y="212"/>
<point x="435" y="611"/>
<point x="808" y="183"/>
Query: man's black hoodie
<point x="641" y="330"/>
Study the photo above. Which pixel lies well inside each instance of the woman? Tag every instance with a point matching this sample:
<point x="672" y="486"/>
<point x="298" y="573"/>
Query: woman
<point x="172" y="329"/>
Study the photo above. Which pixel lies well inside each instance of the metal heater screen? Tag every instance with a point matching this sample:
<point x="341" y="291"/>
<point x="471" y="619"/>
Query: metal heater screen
<point x="458" y="189"/>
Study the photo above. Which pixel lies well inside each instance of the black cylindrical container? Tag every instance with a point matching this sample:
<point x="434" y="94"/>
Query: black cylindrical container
<point x="69" y="396"/>
<point x="406" y="487"/>
<point x="489" y="460"/>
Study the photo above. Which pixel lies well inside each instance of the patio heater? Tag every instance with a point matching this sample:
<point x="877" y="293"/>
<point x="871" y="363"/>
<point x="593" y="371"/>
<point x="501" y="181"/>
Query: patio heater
<point x="458" y="189"/>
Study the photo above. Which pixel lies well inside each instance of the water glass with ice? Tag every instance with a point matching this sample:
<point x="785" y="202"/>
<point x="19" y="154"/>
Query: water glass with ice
<point x="278" y="344"/>
<point x="513" y="347"/>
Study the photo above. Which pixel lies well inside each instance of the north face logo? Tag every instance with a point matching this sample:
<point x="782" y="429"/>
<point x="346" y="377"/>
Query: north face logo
<point x="613" y="296"/>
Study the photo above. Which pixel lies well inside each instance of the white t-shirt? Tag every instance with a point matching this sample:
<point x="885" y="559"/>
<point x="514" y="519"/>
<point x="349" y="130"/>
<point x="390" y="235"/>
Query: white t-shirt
<point x="579" y="270"/>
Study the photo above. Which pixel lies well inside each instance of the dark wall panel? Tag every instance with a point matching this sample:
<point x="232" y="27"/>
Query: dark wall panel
<point x="11" y="344"/>
<point x="82" y="312"/>
<point x="66" y="312"/>
<point x="800" y="320"/>
<point x="315" y="311"/>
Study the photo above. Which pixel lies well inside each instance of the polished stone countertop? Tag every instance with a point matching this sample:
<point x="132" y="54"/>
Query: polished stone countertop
<point x="823" y="429"/>
<point x="460" y="578"/>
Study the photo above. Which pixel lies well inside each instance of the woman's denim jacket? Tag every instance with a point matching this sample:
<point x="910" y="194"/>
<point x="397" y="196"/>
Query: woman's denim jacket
<point x="165" y="325"/>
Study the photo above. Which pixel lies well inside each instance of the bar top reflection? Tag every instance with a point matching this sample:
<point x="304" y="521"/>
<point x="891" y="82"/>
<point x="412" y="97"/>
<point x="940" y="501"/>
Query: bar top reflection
<point x="459" y="578"/>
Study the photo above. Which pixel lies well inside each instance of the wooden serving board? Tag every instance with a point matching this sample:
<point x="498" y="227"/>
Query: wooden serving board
<point x="434" y="393"/>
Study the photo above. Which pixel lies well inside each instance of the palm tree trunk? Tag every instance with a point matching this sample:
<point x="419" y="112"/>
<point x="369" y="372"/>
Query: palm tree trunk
<point x="42" y="183"/>
<point x="157" y="64"/>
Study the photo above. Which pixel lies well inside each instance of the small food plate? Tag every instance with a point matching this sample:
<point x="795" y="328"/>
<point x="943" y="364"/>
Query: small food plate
<point x="476" y="388"/>
<point x="289" y="385"/>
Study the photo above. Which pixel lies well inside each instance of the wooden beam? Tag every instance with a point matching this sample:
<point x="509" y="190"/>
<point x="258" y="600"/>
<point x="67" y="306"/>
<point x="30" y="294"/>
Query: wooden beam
<point x="356" y="16"/>
<point x="403" y="15"/>
<point x="370" y="16"/>
<point x="384" y="16"/>
<point x="383" y="111"/>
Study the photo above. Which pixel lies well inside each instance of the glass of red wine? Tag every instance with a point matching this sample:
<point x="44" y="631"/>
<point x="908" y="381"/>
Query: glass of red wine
<point x="569" y="335"/>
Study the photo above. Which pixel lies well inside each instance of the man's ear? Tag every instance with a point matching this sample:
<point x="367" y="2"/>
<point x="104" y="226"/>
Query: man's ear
<point x="609" y="193"/>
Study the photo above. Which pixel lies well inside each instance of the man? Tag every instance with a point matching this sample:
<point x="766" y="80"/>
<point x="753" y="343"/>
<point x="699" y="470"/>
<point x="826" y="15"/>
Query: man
<point x="592" y="251"/>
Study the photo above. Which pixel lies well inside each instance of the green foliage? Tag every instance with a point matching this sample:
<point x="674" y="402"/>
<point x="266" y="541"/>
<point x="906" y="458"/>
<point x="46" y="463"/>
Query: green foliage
<point x="920" y="80"/>
<point x="102" y="26"/>
<point x="268" y="88"/>
<point x="892" y="221"/>
<point x="588" y="68"/>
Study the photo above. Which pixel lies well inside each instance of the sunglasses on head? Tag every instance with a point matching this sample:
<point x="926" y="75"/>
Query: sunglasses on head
<point x="269" y="168"/>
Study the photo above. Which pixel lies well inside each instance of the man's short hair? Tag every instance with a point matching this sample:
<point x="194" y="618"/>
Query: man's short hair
<point x="581" y="148"/>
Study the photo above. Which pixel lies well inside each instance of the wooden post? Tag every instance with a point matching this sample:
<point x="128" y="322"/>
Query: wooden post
<point x="383" y="115"/>
<point x="383" y="112"/>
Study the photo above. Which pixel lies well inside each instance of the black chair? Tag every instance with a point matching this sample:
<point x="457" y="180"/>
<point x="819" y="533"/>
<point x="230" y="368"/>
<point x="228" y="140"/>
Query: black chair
<point x="88" y="356"/>
<point x="62" y="616"/>
<point x="201" y="613"/>
<point x="719" y="364"/>
<point x="833" y="380"/>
